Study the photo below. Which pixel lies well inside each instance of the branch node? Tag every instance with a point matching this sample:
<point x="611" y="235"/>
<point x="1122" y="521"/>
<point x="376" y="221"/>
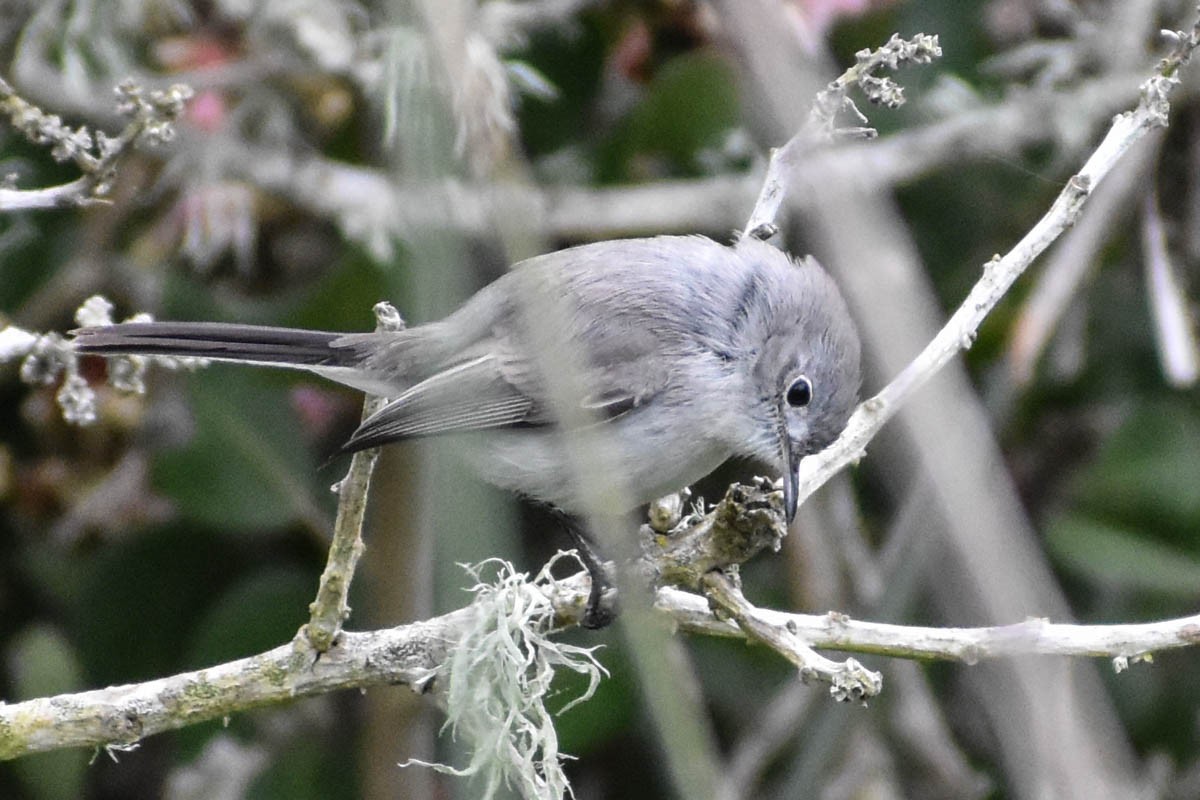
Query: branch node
<point x="667" y="512"/>
<point x="748" y="519"/>
<point x="387" y="318"/>
<point x="854" y="682"/>
<point x="764" y="231"/>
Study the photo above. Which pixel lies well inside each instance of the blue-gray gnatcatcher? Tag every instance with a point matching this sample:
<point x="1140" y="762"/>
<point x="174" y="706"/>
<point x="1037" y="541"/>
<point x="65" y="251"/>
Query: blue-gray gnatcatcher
<point x="687" y="352"/>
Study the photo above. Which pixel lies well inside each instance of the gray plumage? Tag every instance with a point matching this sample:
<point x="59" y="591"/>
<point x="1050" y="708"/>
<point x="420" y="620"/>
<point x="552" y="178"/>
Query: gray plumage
<point x="688" y="352"/>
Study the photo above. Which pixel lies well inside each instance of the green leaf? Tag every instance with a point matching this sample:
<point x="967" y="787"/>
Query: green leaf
<point x="1148" y="470"/>
<point x="259" y="612"/>
<point x="246" y="466"/>
<point x="1120" y="557"/>
<point x="134" y="608"/>
<point x="689" y="108"/>
<point x="43" y="663"/>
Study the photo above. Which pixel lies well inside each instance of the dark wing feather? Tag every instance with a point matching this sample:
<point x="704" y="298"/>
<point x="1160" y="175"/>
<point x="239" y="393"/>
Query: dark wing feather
<point x="473" y="395"/>
<point x="489" y="391"/>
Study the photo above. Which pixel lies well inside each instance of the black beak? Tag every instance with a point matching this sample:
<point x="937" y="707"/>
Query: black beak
<point x="791" y="477"/>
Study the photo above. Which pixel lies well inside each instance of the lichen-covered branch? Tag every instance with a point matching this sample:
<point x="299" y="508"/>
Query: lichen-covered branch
<point x="829" y="105"/>
<point x="152" y="116"/>
<point x="747" y="521"/>
<point x="1125" y="644"/>
<point x="120" y="716"/>
<point x="413" y="655"/>
<point x="330" y="609"/>
<point x="421" y="655"/>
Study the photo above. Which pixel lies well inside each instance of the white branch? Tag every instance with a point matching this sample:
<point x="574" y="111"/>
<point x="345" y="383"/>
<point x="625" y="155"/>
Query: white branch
<point x="120" y="716"/>
<point x="371" y="208"/>
<point x="151" y="116"/>
<point x="999" y="274"/>
<point x="822" y="127"/>
<point x="15" y="343"/>
<point x="836" y="631"/>
<point x="848" y="680"/>
<point x="79" y="192"/>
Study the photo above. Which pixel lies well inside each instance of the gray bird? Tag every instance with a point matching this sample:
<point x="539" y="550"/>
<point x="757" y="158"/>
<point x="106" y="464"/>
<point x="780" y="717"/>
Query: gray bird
<point x="684" y="353"/>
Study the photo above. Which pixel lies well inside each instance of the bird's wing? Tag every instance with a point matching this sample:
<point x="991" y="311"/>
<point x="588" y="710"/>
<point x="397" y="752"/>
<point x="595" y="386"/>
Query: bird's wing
<point x="472" y="395"/>
<point x="493" y="389"/>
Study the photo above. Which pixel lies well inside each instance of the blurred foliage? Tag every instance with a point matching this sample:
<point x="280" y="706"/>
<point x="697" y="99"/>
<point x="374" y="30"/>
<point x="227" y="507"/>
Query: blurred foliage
<point x="249" y="454"/>
<point x="213" y="553"/>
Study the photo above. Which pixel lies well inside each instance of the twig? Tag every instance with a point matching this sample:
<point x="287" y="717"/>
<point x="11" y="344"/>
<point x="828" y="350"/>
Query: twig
<point x="152" y="117"/>
<point x="1000" y="273"/>
<point x="369" y="207"/>
<point x="1124" y="644"/>
<point x="78" y="192"/>
<point x="705" y="550"/>
<point x="822" y="121"/>
<point x="330" y="609"/>
<point x="748" y="520"/>
<point x="848" y="680"/>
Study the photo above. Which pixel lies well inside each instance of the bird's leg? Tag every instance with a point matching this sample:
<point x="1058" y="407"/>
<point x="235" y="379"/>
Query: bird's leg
<point x="595" y="616"/>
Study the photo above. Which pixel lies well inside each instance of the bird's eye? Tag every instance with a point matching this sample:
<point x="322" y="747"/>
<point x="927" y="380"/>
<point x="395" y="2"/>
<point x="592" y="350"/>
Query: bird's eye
<point x="800" y="392"/>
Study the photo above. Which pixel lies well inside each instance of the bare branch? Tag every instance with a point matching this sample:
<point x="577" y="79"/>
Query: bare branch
<point x="120" y="716"/>
<point x="330" y="609"/>
<point x="827" y="107"/>
<point x="848" y="680"/>
<point x="413" y="654"/>
<point x="1124" y="644"/>
<point x="79" y="192"/>
<point x="151" y="115"/>
<point x="1001" y="272"/>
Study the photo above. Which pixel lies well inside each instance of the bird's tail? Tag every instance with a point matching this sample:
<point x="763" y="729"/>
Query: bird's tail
<point x="216" y="340"/>
<point x="337" y="356"/>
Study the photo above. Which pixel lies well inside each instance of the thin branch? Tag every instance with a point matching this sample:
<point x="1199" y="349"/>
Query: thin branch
<point x="822" y="121"/>
<point x="120" y="716"/>
<point x="330" y="609"/>
<point x="371" y="208"/>
<point x="848" y="680"/>
<point x="1124" y="644"/>
<point x="1001" y="272"/>
<point x="79" y="192"/>
<point x="151" y="116"/>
